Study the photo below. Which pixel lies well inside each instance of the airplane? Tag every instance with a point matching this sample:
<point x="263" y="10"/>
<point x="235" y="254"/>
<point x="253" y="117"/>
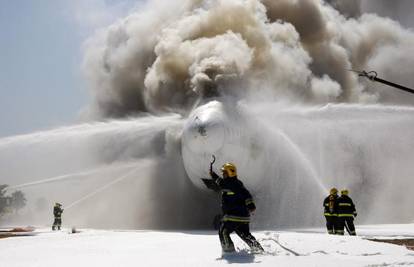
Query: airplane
<point x="289" y="157"/>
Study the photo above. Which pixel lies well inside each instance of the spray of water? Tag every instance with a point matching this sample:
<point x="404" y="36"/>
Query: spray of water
<point x="72" y="176"/>
<point x="169" y="54"/>
<point x="292" y="190"/>
<point x="100" y="189"/>
<point x="366" y="149"/>
<point x="83" y="159"/>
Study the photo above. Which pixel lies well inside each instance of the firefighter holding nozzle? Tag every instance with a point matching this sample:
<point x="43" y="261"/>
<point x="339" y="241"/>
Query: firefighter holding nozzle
<point x="330" y="206"/>
<point x="57" y="213"/>
<point x="237" y="205"/>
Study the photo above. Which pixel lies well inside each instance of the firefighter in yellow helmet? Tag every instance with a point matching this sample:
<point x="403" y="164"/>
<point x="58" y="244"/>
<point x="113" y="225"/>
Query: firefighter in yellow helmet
<point x="346" y="213"/>
<point x="237" y="205"/>
<point x="330" y="211"/>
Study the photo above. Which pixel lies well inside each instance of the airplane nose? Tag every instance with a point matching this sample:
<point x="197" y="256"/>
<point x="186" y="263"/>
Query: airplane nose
<point x="204" y="133"/>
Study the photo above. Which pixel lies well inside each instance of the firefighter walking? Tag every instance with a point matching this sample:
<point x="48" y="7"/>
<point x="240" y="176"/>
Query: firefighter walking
<point x="346" y="213"/>
<point x="57" y="213"/>
<point x="330" y="211"/>
<point x="237" y="206"/>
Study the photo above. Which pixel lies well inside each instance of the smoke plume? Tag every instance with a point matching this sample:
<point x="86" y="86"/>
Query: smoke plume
<point x="168" y="54"/>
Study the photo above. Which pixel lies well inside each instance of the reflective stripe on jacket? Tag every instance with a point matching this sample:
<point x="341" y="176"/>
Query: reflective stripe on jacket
<point x="231" y="218"/>
<point x="346" y="207"/>
<point x="236" y="200"/>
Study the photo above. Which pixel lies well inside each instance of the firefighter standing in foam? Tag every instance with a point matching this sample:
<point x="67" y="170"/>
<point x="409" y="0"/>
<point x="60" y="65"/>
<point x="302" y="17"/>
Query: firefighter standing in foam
<point x="237" y="205"/>
<point x="330" y="211"/>
<point x="346" y="213"/>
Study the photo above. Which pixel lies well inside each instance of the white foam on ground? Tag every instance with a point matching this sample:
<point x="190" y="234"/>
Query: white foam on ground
<point x="308" y="247"/>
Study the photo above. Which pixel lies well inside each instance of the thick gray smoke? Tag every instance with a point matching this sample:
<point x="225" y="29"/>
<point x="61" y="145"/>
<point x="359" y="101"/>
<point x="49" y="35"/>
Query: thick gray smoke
<point x="348" y="8"/>
<point x="166" y="55"/>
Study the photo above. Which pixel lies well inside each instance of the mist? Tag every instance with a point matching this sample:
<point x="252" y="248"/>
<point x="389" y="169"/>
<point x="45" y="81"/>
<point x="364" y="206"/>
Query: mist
<point x="286" y="61"/>
<point x="366" y="149"/>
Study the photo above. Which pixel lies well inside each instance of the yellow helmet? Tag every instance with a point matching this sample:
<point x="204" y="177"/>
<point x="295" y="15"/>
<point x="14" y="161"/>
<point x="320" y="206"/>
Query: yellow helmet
<point x="230" y="169"/>
<point x="344" y="192"/>
<point x="333" y="191"/>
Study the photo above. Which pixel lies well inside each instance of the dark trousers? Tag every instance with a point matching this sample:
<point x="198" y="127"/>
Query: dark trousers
<point x="331" y="224"/>
<point x="242" y="230"/>
<point x="348" y="223"/>
<point x="57" y="223"/>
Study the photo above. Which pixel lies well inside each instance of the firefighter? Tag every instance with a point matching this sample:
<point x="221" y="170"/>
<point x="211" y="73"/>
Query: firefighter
<point x="346" y="213"/>
<point x="57" y="212"/>
<point x="237" y="206"/>
<point x="330" y="211"/>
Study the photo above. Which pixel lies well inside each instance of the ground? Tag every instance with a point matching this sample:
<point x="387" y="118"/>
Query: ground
<point x="408" y="243"/>
<point x="297" y="247"/>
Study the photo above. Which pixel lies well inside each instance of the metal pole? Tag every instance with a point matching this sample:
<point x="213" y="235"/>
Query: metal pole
<point x="373" y="76"/>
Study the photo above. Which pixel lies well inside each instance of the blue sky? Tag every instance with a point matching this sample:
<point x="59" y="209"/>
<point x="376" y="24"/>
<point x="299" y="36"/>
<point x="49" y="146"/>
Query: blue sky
<point x="41" y="84"/>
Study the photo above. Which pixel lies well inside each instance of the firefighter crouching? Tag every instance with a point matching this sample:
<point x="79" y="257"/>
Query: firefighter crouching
<point x="57" y="212"/>
<point x="346" y="213"/>
<point x="330" y="211"/>
<point x="237" y="205"/>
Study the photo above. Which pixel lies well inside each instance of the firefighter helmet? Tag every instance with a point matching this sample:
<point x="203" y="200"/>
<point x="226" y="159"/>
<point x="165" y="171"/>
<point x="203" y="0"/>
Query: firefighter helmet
<point x="333" y="191"/>
<point x="230" y="169"/>
<point x="344" y="192"/>
<point x="58" y="204"/>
